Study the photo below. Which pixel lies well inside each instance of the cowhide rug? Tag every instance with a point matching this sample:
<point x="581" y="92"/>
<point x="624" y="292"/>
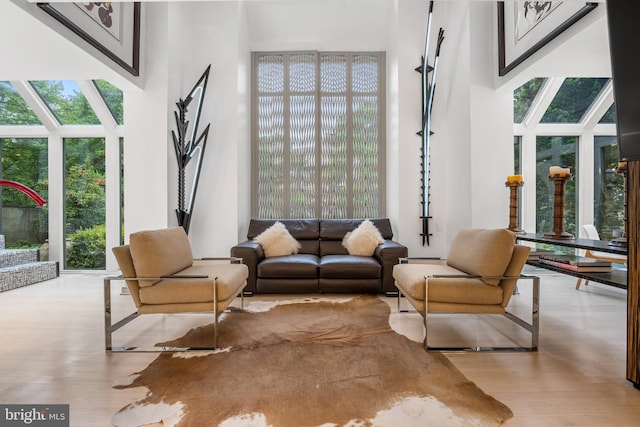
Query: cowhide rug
<point x="318" y="363"/>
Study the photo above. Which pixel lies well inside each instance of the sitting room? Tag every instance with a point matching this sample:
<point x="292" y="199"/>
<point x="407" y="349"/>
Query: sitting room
<point x="210" y="123"/>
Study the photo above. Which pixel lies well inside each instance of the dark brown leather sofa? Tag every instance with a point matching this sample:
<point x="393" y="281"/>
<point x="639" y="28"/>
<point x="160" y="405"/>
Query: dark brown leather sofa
<point x="322" y="265"/>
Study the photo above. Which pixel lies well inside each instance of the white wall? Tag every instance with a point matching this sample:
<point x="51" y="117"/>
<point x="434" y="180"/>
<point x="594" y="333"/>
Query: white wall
<point x="473" y="112"/>
<point x="472" y="145"/>
<point x="202" y="34"/>
<point x="34" y="44"/>
<point x="472" y="118"/>
<point x="410" y="44"/>
<point x="243" y="174"/>
<point x="146" y="121"/>
<point x="491" y="126"/>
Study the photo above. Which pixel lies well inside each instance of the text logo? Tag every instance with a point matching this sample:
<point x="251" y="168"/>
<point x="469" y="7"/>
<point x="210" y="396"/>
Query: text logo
<point x="34" y="415"/>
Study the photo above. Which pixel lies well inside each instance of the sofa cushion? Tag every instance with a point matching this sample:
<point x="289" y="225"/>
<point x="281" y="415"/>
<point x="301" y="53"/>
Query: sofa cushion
<point x="276" y="241"/>
<point x="363" y="240"/>
<point x="300" y="229"/>
<point x="485" y="252"/>
<point x="335" y="229"/>
<point x="297" y="266"/>
<point x="158" y="253"/>
<point x="349" y="267"/>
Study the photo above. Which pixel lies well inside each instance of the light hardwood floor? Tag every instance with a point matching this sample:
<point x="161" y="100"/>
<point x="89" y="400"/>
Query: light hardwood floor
<point x="52" y="351"/>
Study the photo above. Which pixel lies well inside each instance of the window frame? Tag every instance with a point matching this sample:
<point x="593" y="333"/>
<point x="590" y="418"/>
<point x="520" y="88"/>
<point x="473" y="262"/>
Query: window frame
<point x="318" y="93"/>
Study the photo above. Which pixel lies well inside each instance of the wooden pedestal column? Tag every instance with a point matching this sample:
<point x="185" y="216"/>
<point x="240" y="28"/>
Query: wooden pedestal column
<point x="559" y="183"/>
<point x="633" y="273"/>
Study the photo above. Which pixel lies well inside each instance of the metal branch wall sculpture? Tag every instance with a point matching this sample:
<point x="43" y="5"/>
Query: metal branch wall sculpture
<point x="428" y="90"/>
<point x="189" y="147"/>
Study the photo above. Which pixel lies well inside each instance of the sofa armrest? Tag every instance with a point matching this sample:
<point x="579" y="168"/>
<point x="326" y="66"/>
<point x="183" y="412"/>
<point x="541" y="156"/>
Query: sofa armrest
<point x="251" y="254"/>
<point x="388" y="254"/>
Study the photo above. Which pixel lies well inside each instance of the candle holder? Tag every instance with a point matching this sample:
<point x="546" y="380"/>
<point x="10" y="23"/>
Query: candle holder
<point x="559" y="183"/>
<point x="622" y="241"/>
<point x="513" y="205"/>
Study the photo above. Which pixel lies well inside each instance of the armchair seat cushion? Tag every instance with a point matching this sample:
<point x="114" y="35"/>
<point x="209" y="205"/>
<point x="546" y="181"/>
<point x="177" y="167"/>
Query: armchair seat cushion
<point x="449" y="290"/>
<point x="299" y="266"/>
<point x="349" y="267"/>
<point x="466" y="291"/>
<point x="231" y="279"/>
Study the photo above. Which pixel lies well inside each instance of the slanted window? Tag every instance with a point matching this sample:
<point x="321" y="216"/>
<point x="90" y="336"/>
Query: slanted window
<point x="573" y="99"/>
<point x="318" y="135"/>
<point x="610" y="115"/>
<point x="13" y="109"/>
<point x="113" y="98"/>
<point x="523" y="98"/>
<point x="66" y="101"/>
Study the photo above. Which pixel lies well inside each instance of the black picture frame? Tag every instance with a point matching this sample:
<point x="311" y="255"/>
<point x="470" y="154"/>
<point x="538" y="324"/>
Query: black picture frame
<point x="564" y="16"/>
<point x="124" y="51"/>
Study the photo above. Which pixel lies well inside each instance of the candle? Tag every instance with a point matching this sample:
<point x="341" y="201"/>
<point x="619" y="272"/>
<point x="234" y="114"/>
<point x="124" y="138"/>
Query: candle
<point x="557" y="170"/>
<point x="514" y="179"/>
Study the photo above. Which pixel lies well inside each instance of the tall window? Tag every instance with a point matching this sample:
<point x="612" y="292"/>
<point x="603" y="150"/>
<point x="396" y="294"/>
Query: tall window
<point x="553" y="151"/>
<point x="318" y="135"/>
<point x="76" y="123"/>
<point x="608" y="188"/>
<point x="85" y="209"/>
<point x="566" y="118"/>
<point x="23" y="223"/>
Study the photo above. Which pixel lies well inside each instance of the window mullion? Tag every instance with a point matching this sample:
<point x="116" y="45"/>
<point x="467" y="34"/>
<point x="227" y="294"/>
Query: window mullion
<point x="318" y="139"/>
<point x="350" y="137"/>
<point x="286" y="149"/>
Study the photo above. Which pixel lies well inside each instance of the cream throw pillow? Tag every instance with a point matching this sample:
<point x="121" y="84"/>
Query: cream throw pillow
<point x="364" y="240"/>
<point x="276" y="241"/>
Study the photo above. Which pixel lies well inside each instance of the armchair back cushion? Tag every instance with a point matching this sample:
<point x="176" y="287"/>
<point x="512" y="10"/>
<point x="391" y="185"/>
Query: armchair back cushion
<point x="484" y="252"/>
<point x="158" y="253"/>
<point x="518" y="260"/>
<point x="123" y="258"/>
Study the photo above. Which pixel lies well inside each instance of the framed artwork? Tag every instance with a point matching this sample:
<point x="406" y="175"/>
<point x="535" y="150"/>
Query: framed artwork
<point x="526" y="26"/>
<point x="111" y="27"/>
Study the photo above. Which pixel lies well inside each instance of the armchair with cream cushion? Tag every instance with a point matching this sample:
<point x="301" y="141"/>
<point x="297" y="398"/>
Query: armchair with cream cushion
<point x="478" y="276"/>
<point x="163" y="277"/>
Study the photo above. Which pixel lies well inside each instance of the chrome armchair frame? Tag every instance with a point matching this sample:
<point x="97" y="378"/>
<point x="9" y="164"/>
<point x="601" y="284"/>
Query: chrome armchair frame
<point x="110" y="327"/>
<point x="533" y="327"/>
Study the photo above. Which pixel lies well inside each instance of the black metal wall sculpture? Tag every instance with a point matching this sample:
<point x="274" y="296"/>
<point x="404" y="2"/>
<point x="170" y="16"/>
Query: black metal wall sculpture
<point x="428" y="90"/>
<point x="189" y="147"/>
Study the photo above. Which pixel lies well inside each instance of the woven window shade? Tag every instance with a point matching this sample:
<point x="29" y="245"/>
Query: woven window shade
<point x="318" y="135"/>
